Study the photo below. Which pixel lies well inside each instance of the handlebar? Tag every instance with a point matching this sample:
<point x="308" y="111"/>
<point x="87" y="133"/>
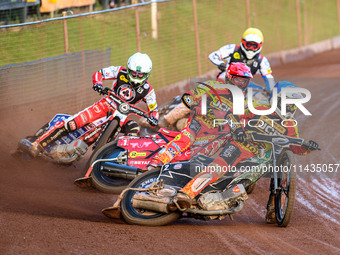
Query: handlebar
<point x="255" y="86"/>
<point x="308" y="146"/>
<point x="277" y="139"/>
<point x="105" y="91"/>
<point x="132" y="109"/>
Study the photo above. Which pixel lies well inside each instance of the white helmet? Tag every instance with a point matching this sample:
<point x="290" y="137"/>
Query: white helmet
<point x="251" y="42"/>
<point x="290" y="108"/>
<point x="139" y="68"/>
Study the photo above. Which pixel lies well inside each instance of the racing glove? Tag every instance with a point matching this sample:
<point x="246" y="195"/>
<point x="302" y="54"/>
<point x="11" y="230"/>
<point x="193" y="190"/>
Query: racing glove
<point x="240" y="135"/>
<point x="153" y="121"/>
<point x="222" y="67"/>
<point x="98" y="87"/>
<point x="311" y="145"/>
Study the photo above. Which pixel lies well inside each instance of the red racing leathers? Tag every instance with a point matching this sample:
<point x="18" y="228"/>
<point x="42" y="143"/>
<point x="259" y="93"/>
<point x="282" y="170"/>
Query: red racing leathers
<point x="219" y="104"/>
<point x="122" y="88"/>
<point x="233" y="152"/>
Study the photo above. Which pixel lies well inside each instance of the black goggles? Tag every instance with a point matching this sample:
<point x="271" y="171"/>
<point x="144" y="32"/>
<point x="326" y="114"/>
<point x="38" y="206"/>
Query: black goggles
<point x="242" y="82"/>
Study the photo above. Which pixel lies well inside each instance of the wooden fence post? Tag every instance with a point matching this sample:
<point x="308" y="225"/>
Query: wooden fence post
<point x="298" y="17"/>
<point x="137" y="29"/>
<point x="197" y="38"/>
<point x="84" y="84"/>
<point x="65" y="33"/>
<point x="248" y="13"/>
<point x="338" y="9"/>
<point x="154" y="21"/>
<point x="305" y="27"/>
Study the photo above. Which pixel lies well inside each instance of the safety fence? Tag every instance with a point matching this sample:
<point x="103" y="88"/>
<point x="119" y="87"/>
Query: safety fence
<point x="178" y="35"/>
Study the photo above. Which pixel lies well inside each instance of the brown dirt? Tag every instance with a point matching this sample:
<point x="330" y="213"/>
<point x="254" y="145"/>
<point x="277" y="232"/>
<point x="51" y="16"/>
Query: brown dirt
<point x="43" y="212"/>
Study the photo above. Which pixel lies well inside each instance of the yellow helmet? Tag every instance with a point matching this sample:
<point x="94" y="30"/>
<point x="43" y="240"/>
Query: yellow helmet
<point x="251" y="42"/>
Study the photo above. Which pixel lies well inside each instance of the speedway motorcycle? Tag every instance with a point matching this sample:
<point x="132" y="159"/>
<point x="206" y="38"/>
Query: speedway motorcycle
<point x="147" y="198"/>
<point x="114" y="165"/>
<point x="117" y="163"/>
<point x="74" y="145"/>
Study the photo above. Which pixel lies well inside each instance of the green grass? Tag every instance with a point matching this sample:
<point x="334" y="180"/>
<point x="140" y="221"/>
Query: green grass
<point x="174" y="52"/>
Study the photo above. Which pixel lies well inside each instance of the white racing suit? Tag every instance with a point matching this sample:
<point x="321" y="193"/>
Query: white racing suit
<point x="232" y="53"/>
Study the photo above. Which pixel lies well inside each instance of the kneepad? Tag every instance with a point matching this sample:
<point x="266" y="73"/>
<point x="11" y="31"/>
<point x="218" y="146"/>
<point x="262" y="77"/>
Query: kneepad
<point x="71" y="125"/>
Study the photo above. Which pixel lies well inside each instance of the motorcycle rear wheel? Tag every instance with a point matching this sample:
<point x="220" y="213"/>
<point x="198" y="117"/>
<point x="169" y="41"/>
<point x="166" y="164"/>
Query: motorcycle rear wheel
<point x="101" y="181"/>
<point x="285" y="195"/>
<point x="142" y="217"/>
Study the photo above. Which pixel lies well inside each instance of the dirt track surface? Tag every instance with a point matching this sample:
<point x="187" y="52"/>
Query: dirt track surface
<point x="43" y="212"/>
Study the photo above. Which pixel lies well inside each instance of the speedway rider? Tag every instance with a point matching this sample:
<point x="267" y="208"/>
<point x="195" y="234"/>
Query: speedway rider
<point x="129" y="83"/>
<point x="234" y="150"/>
<point x="248" y="52"/>
<point x="239" y="75"/>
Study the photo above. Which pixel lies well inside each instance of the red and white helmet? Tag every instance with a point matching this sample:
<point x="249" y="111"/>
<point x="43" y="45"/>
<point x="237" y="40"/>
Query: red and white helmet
<point x="239" y="75"/>
<point x="251" y="42"/>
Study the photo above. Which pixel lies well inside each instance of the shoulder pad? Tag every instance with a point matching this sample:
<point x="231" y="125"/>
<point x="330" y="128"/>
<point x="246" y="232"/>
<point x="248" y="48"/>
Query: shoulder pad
<point x="259" y="57"/>
<point x="187" y="100"/>
<point x="123" y="70"/>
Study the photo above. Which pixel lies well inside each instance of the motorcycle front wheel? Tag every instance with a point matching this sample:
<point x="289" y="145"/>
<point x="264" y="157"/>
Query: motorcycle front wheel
<point x="139" y="216"/>
<point x="285" y="195"/>
<point x="251" y="188"/>
<point x="102" y="181"/>
<point x="105" y="138"/>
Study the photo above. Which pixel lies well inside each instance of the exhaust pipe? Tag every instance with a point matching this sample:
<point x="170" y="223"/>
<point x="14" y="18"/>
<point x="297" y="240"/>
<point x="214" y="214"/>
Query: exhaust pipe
<point x="160" y="204"/>
<point x="152" y="203"/>
<point x="120" y="171"/>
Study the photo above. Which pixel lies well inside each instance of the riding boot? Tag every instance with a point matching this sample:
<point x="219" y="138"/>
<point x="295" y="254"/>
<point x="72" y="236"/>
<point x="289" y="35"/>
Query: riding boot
<point x="35" y="149"/>
<point x="270" y="215"/>
<point x="179" y="112"/>
<point x="49" y="137"/>
<point x="32" y="148"/>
